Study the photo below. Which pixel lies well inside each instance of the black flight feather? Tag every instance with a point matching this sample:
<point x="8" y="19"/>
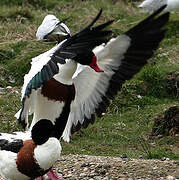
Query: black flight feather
<point x="144" y="40"/>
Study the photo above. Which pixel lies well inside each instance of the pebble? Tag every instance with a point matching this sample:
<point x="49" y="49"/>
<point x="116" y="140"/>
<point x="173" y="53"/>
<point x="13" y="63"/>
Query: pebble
<point x="72" y="178"/>
<point x="170" y="178"/>
<point x="85" y="165"/>
<point x="106" y="166"/>
<point x="2" y="91"/>
<point x="165" y="159"/>
<point x="99" y="166"/>
<point x="102" y="172"/>
<point x="92" y="175"/>
<point x="85" y="169"/>
<point x="68" y="175"/>
<point x="98" y="178"/>
<point x="123" y="156"/>
<point x="82" y="175"/>
<point x="122" y="176"/>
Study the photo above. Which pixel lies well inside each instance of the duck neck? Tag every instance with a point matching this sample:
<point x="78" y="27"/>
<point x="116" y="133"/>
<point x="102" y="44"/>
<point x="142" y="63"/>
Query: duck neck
<point x="66" y="72"/>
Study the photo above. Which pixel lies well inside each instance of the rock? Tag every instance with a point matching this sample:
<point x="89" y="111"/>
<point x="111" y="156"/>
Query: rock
<point x="139" y="96"/>
<point x="2" y="91"/>
<point x="102" y="172"/>
<point x="91" y="175"/>
<point x="85" y="169"/>
<point x="11" y="79"/>
<point x="98" y="178"/>
<point x="165" y="159"/>
<point x="121" y="176"/>
<point x="85" y="165"/>
<point x="177" y="162"/>
<point x="82" y="175"/>
<point x="123" y="156"/>
<point x="73" y="178"/>
<point x="170" y="178"/>
<point x="99" y="166"/>
<point x="105" y="178"/>
<point x="140" y="157"/>
<point x="9" y="87"/>
<point x="69" y="175"/>
<point x="106" y="166"/>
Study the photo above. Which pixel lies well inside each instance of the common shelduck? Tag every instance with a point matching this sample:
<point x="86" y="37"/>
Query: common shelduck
<point x="52" y="29"/>
<point x="72" y="102"/>
<point x="29" y="155"/>
<point x="153" y="5"/>
<point x="50" y="77"/>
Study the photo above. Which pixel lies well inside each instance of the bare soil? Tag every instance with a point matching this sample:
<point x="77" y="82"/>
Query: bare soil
<point x="78" y="167"/>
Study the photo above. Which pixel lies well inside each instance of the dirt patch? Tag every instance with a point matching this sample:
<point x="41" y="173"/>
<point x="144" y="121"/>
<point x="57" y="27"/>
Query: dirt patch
<point x="173" y="83"/>
<point x="167" y="123"/>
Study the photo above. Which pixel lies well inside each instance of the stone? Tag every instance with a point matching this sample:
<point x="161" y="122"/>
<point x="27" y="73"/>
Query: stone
<point x="85" y="169"/>
<point x="85" y="165"/>
<point x="106" y="166"/>
<point x="170" y="178"/>
<point x="123" y="156"/>
<point x="82" y="175"/>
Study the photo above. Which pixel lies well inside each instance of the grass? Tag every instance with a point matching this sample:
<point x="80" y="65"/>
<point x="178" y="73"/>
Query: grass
<point x="127" y="124"/>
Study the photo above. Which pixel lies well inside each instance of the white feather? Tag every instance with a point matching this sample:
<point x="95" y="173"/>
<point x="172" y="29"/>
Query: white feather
<point x="89" y="93"/>
<point x="153" y="5"/>
<point x="8" y="167"/>
<point x="48" y="153"/>
<point x="52" y="25"/>
<point x="16" y="135"/>
<point x="45" y="109"/>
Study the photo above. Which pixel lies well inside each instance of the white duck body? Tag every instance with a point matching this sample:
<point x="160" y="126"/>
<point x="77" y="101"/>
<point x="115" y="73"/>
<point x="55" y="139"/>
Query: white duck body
<point x="50" y="94"/>
<point x="153" y="5"/>
<point x="21" y="158"/>
<point x="8" y="166"/>
<point x="40" y="106"/>
<point x="44" y="154"/>
<point x="48" y="153"/>
<point x="45" y="108"/>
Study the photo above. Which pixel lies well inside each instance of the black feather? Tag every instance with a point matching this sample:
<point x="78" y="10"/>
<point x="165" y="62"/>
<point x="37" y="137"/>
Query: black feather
<point x="13" y="146"/>
<point x="144" y="40"/>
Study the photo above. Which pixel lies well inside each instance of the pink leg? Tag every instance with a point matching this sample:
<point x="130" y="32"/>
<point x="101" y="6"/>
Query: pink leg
<point x="39" y="178"/>
<point x="53" y="176"/>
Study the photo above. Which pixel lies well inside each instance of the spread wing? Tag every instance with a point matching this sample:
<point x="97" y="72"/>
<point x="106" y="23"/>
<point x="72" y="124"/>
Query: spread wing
<point x="121" y="58"/>
<point x="75" y="46"/>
